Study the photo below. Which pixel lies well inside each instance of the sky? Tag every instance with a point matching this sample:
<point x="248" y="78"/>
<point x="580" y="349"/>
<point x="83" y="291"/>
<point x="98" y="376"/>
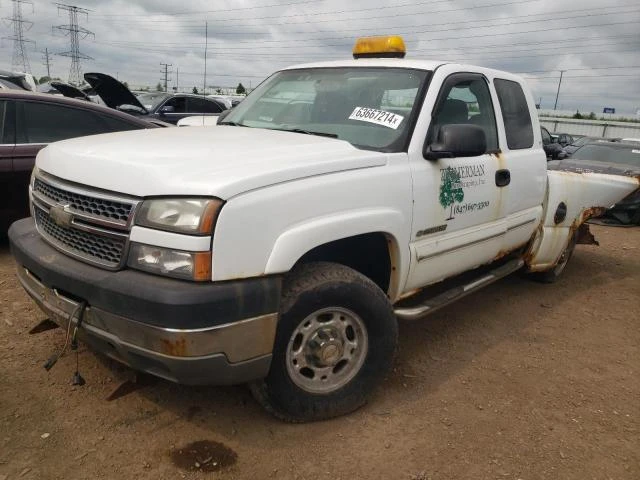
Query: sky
<point x="595" y="42"/>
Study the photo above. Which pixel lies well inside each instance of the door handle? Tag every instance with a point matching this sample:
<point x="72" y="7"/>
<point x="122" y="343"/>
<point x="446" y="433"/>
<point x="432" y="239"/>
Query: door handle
<point x="503" y="177"/>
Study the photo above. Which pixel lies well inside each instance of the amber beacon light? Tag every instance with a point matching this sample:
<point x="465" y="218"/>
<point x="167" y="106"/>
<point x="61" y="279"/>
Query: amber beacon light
<point x="391" y="46"/>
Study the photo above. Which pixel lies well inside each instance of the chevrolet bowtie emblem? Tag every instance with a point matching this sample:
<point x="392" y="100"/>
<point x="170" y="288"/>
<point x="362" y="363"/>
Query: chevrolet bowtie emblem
<point x="60" y="216"/>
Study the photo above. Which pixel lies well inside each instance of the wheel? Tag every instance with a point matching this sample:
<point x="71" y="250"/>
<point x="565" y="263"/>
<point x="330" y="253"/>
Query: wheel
<point x="335" y="341"/>
<point x="550" y="276"/>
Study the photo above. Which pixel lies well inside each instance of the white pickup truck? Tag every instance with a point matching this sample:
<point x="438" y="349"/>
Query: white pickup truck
<point x="281" y="247"/>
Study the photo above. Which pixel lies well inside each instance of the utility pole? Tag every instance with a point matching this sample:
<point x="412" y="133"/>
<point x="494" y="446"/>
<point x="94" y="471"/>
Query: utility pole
<point x="47" y="61"/>
<point x="74" y="31"/>
<point x="558" y="92"/>
<point x="206" y="45"/>
<point x="177" y="79"/>
<point x="19" y="61"/>
<point x="166" y="73"/>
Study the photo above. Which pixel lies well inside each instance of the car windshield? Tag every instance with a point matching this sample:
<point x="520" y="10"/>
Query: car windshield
<point x="624" y="154"/>
<point x="151" y="100"/>
<point x="371" y="108"/>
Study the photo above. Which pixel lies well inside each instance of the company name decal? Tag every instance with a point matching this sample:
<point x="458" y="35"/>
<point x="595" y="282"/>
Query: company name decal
<point x="453" y="182"/>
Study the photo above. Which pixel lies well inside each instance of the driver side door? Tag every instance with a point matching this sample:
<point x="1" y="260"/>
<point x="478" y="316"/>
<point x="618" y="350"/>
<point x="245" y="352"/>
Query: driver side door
<point x="458" y="222"/>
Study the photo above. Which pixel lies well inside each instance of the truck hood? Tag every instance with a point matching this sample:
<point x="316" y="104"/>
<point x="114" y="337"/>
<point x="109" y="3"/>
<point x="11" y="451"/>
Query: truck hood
<point x="220" y="161"/>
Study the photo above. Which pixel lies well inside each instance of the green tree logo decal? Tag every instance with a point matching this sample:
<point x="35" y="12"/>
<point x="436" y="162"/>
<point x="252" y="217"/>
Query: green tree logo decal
<point x="450" y="189"/>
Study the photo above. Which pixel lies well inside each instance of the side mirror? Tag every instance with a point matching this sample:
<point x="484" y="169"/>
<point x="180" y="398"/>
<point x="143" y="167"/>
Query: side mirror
<point x="167" y="109"/>
<point x="457" y="140"/>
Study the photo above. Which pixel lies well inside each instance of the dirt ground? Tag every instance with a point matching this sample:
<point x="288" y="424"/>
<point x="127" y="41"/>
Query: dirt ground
<point x="519" y="381"/>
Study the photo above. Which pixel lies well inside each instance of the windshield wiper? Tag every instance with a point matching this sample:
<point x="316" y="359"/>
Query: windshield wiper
<point x="307" y="132"/>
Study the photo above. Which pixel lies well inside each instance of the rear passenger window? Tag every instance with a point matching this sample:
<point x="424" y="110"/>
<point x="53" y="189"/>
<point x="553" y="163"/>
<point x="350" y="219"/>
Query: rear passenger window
<point x="3" y="109"/>
<point x="118" y="125"/>
<point x="45" y="123"/>
<point x="515" y="114"/>
<point x="200" y="105"/>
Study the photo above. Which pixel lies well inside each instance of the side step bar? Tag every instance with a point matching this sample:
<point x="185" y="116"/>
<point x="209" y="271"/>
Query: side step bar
<point x="445" y="298"/>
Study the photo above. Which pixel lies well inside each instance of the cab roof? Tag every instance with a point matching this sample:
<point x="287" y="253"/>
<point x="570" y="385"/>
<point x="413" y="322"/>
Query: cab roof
<point x="429" y="65"/>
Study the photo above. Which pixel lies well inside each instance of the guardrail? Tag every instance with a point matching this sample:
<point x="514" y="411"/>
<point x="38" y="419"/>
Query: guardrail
<point x="592" y="128"/>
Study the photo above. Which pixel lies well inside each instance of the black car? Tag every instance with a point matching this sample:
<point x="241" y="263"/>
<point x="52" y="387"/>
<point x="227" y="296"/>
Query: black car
<point x="551" y="148"/>
<point x="568" y="150"/>
<point x="28" y="122"/>
<point x="168" y="107"/>
<point x="613" y="158"/>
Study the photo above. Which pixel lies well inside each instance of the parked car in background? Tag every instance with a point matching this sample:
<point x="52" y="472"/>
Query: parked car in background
<point x="551" y="148"/>
<point x="28" y="122"/>
<point x="568" y="150"/>
<point x="198" y="121"/>
<point x="565" y="139"/>
<point x="168" y="107"/>
<point x="17" y="80"/>
<point x="614" y="158"/>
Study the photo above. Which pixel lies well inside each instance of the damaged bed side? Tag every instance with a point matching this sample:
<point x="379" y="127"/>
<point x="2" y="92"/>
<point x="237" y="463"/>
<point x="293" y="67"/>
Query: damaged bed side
<point x="573" y="198"/>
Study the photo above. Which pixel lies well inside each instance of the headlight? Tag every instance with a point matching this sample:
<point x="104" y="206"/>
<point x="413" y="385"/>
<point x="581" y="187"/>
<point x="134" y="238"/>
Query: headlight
<point x="173" y="263"/>
<point x="194" y="216"/>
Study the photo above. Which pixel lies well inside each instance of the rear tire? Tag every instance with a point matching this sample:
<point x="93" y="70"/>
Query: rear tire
<point x="550" y="276"/>
<point x="335" y="341"/>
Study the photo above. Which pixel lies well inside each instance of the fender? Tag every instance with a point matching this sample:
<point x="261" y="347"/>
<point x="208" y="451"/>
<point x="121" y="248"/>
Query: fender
<point x="292" y="244"/>
<point x="584" y="195"/>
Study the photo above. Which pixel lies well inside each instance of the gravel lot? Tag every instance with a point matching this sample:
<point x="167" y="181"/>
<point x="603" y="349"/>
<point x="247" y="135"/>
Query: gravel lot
<point x="519" y="381"/>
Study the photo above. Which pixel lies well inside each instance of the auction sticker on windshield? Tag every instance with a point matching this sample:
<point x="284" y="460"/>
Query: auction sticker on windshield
<point x="379" y="117"/>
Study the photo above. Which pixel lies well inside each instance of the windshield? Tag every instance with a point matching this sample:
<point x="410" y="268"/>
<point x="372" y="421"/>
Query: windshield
<point x="151" y="100"/>
<point x="626" y="154"/>
<point x="370" y="108"/>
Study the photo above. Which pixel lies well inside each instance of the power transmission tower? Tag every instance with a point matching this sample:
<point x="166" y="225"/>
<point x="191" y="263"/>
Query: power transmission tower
<point x="47" y="61"/>
<point x="166" y="73"/>
<point x="75" y="32"/>
<point x="20" y="61"/>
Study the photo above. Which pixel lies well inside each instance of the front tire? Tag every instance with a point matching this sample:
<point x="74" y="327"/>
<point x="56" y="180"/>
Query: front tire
<point x="335" y="341"/>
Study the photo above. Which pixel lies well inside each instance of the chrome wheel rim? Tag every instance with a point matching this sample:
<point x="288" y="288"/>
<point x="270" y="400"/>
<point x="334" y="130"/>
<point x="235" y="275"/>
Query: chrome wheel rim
<point x="564" y="259"/>
<point x="327" y="350"/>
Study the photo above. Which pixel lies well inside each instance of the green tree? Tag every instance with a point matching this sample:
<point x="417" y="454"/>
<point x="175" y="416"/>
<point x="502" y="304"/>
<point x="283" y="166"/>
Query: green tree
<point x="195" y="90"/>
<point x="159" y="87"/>
<point x="44" y="79"/>
<point x="240" y="89"/>
<point x="450" y="189"/>
<point x="592" y="116"/>
<point x="126" y="85"/>
<point x="578" y="115"/>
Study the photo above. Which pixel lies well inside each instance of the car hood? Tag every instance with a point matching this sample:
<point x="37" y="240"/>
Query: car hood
<point x="593" y="166"/>
<point x="113" y="93"/>
<point x="69" y="90"/>
<point x="221" y="161"/>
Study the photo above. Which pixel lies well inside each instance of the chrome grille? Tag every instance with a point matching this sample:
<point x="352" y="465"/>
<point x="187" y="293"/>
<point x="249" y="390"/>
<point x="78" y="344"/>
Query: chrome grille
<point x="91" y="225"/>
<point x="94" y="206"/>
<point x="99" y="249"/>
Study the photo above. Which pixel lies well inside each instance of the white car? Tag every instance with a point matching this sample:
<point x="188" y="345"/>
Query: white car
<point x="198" y="121"/>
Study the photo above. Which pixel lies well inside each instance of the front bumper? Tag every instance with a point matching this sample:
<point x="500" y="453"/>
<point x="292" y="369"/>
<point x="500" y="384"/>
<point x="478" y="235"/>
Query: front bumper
<point x="216" y="334"/>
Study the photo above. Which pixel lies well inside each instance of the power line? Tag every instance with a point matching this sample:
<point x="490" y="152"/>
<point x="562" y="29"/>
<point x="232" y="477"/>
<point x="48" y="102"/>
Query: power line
<point x="20" y="60"/>
<point x="74" y="31"/>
